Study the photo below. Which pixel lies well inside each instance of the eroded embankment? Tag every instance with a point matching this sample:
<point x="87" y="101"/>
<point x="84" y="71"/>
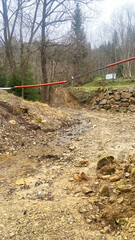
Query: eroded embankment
<point x="24" y="123"/>
<point x="120" y="99"/>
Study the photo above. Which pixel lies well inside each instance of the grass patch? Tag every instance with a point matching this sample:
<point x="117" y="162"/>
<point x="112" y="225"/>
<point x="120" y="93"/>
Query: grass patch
<point x="85" y="93"/>
<point x="99" y="82"/>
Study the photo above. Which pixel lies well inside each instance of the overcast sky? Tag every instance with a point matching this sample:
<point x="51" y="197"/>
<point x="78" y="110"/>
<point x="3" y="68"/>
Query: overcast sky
<point x="108" y="6"/>
<point x="106" y="9"/>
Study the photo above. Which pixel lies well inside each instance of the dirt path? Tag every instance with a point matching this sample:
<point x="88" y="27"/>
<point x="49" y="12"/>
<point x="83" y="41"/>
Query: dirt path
<point x="41" y="196"/>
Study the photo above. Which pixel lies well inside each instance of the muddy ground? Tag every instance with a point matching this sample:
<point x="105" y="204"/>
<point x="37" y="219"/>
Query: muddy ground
<point x="50" y="188"/>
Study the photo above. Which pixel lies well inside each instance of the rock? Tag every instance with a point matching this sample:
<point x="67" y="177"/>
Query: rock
<point x="128" y="168"/>
<point x="79" y="138"/>
<point x="126" y="95"/>
<point x="131" y="90"/>
<point x="108" y="170"/>
<point x="82" y="209"/>
<point x="82" y="163"/>
<point x="125" y="104"/>
<point x="107" y="107"/>
<point x="112" y="198"/>
<point x="86" y="190"/>
<point x="43" y="121"/>
<point x="115" y="178"/>
<point x="110" y="92"/>
<point x="38" y="183"/>
<point x="126" y="174"/>
<point x="76" y="177"/>
<point x="124" y="188"/>
<point x="124" y="100"/>
<point x="106" y="160"/>
<point x="88" y="220"/>
<point x="105" y="177"/>
<point x="104" y="191"/>
<point x="12" y="234"/>
<point x="132" y="100"/>
<point x="71" y="179"/>
<point x="13" y="122"/>
<point x="24" y="109"/>
<point x="83" y="176"/>
<point x="120" y="200"/>
<point x="77" y="189"/>
<point x="133" y="173"/>
<point x="131" y="108"/>
<point x="103" y="102"/>
<point x="106" y="229"/>
<point x="72" y="148"/>
<point x="119" y="183"/>
<point x="21" y="182"/>
<point x="112" y="101"/>
<point x="117" y="96"/>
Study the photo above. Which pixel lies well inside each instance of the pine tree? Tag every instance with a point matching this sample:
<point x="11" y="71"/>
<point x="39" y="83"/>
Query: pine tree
<point x="77" y="23"/>
<point x="78" y="41"/>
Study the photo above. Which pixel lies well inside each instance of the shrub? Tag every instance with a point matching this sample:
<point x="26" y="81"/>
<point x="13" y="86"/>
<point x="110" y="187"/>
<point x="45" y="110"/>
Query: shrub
<point x="29" y="93"/>
<point x="3" y="79"/>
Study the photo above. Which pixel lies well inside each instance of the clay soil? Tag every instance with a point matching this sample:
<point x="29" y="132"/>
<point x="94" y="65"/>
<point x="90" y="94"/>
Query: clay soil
<point x="49" y="188"/>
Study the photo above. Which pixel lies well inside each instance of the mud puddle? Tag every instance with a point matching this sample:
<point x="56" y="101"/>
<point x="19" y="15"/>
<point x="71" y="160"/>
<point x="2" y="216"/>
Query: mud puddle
<point x="75" y="131"/>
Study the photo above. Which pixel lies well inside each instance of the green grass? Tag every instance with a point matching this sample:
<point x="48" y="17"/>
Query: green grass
<point x="100" y="82"/>
<point x="88" y="86"/>
<point x="86" y="92"/>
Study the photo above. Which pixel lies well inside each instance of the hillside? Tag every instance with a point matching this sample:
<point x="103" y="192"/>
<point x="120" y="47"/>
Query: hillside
<point x="24" y="122"/>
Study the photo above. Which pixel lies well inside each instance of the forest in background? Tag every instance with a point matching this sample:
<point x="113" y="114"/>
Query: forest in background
<point x="36" y="48"/>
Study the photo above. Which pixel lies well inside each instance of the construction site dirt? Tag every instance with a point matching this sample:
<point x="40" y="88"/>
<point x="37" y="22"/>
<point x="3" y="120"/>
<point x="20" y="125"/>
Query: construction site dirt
<point x="52" y="186"/>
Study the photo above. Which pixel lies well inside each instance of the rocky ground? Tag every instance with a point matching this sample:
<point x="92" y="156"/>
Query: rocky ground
<point x="55" y="182"/>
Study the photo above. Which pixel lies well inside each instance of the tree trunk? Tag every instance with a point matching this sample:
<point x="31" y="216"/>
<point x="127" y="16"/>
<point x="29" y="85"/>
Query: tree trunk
<point x="9" y="56"/>
<point x="22" y="48"/>
<point x="44" y="97"/>
<point x="8" y="38"/>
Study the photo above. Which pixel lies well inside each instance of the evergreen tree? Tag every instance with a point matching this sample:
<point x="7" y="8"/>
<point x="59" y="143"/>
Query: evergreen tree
<point x="29" y="93"/>
<point x="3" y="79"/>
<point x="78" y="40"/>
<point x="77" y="23"/>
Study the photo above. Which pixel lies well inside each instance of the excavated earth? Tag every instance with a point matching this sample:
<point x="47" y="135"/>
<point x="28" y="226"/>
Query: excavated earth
<point x="55" y="183"/>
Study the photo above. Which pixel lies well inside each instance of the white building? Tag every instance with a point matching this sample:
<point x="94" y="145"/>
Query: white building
<point x="110" y="76"/>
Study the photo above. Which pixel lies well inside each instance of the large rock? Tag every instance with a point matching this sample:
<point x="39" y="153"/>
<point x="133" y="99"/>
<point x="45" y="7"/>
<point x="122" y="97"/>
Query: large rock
<point x="103" y="161"/>
<point x="126" y="95"/>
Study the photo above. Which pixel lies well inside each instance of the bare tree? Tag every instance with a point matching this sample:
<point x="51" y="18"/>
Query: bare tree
<point x="54" y="13"/>
<point x="9" y="24"/>
<point x="30" y="20"/>
<point x="123" y="24"/>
